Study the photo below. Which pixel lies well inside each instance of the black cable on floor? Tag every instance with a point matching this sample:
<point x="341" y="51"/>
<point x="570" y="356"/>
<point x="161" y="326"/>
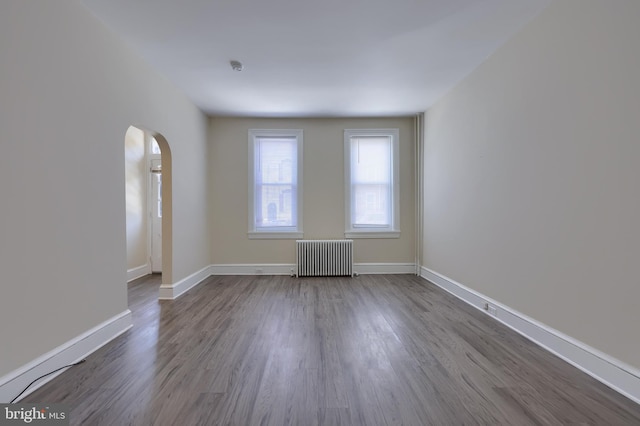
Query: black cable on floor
<point x="45" y="375"/>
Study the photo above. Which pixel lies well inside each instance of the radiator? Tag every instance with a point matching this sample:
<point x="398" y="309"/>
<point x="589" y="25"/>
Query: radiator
<point x="324" y="258"/>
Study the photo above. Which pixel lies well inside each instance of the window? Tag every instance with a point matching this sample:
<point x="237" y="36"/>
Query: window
<point x="155" y="148"/>
<point x="275" y="183"/>
<point x="371" y="176"/>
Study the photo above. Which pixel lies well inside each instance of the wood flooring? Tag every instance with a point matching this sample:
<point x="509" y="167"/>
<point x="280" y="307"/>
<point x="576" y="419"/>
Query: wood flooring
<point x="371" y="350"/>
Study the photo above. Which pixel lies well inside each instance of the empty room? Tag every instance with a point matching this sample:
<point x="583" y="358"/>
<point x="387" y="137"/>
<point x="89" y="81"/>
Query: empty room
<point x="284" y="212"/>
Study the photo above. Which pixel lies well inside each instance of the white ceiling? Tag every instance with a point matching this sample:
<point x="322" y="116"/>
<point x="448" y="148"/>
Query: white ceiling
<point x="315" y="58"/>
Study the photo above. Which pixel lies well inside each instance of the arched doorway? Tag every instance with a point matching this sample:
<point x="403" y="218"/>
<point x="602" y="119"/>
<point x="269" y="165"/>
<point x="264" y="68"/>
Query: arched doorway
<point x="148" y="178"/>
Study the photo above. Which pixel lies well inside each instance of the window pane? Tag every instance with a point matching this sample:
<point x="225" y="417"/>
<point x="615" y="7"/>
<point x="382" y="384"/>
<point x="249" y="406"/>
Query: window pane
<point x="155" y="148"/>
<point x="371" y="158"/>
<point x="371" y="180"/>
<point x="277" y="207"/>
<point x="371" y="204"/>
<point x="159" y="194"/>
<point x="276" y="175"/>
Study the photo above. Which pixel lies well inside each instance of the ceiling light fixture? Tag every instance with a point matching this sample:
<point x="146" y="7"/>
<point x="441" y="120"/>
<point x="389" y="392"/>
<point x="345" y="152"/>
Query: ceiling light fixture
<point x="236" y="65"/>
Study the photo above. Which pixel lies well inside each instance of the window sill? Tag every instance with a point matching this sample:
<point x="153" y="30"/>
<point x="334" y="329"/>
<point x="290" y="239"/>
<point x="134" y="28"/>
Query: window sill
<point x="372" y="234"/>
<point x="274" y="235"/>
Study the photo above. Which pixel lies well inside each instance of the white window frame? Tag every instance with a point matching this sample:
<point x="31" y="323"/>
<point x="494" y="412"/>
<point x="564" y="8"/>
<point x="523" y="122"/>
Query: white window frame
<point x="392" y="231"/>
<point x="275" y="232"/>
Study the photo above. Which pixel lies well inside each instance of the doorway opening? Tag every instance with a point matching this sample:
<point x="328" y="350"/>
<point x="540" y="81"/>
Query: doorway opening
<point x="154" y="202"/>
<point x="148" y="204"/>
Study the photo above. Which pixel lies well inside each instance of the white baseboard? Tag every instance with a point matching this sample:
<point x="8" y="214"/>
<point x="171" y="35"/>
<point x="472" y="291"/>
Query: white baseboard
<point x="253" y="269"/>
<point x="173" y="291"/>
<point x="614" y="373"/>
<point x="137" y="272"/>
<point x="286" y="269"/>
<point x="68" y="353"/>
<point x="384" y="268"/>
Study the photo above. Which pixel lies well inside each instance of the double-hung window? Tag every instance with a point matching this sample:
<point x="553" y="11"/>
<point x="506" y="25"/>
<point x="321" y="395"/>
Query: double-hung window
<point x="372" y="190"/>
<point x="275" y="183"/>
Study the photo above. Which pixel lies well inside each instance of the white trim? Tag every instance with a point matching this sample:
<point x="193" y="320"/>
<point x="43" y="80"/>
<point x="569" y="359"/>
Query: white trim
<point x="384" y="268"/>
<point x="612" y="372"/>
<point x="286" y="268"/>
<point x="137" y="272"/>
<point x="173" y="291"/>
<point x="419" y="188"/>
<point x="263" y="235"/>
<point x="68" y="353"/>
<point x="370" y="234"/>
<point x="253" y="269"/>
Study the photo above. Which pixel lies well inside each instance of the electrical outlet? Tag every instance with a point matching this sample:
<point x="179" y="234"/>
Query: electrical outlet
<point x="492" y="310"/>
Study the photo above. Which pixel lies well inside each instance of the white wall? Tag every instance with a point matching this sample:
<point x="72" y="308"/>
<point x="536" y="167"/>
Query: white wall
<point x="136" y="198"/>
<point x="69" y="89"/>
<point x="323" y="181"/>
<point x="531" y="175"/>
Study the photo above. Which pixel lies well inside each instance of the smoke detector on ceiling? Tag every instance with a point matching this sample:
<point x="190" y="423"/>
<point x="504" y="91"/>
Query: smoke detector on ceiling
<point x="236" y="65"/>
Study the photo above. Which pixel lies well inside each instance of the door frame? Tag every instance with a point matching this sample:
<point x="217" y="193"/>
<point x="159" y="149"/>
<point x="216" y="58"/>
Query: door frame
<point x="167" y="202"/>
<point x="152" y="205"/>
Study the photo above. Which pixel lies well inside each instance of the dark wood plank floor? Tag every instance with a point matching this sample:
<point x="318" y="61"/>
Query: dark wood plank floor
<point x="372" y="350"/>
